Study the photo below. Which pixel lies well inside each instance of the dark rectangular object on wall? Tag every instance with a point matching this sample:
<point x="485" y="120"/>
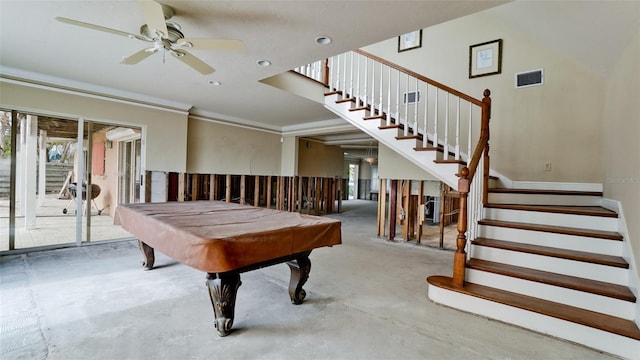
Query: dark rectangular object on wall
<point x="529" y="78"/>
<point x="411" y="97"/>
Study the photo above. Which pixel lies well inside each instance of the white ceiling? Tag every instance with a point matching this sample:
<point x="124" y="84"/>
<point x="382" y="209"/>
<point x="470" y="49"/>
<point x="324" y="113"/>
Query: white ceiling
<point x="33" y="45"/>
<point x="283" y="32"/>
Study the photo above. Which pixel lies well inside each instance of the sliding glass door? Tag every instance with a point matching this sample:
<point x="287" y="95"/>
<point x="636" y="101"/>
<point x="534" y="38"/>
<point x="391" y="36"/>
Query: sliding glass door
<point x="60" y="179"/>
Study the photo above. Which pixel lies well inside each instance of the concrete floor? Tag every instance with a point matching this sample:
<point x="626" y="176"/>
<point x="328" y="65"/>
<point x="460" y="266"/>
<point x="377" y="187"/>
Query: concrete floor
<point x="366" y="299"/>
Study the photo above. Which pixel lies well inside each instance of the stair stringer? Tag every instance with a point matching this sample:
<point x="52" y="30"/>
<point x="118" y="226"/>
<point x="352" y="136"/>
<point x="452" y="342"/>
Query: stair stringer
<point x="423" y="159"/>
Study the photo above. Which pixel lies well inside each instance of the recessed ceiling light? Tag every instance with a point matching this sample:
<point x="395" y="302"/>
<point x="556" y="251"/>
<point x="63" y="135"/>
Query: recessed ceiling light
<point x="323" y="40"/>
<point x="214" y="82"/>
<point x="263" y="62"/>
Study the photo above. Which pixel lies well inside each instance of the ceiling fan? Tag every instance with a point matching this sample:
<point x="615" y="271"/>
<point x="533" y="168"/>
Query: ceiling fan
<point x="166" y="37"/>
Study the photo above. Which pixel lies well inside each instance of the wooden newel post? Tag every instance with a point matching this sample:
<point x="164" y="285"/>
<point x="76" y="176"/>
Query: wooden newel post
<point x="460" y="257"/>
<point x="486" y="116"/>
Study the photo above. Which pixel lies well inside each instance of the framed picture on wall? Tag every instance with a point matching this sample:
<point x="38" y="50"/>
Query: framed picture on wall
<point x="485" y="58"/>
<point x="410" y="40"/>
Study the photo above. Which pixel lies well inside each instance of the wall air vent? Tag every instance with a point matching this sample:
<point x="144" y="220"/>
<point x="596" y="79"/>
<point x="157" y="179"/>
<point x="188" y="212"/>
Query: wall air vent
<point x="529" y="78"/>
<point x="411" y="97"/>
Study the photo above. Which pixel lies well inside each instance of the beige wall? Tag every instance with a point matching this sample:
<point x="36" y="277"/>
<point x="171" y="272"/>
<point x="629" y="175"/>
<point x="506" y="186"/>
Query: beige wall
<point x="317" y="159"/>
<point x="214" y="148"/>
<point x="622" y="140"/>
<point x="165" y="130"/>
<point x="559" y="122"/>
<point x="108" y="198"/>
<point x="289" y="157"/>
<point x="391" y="165"/>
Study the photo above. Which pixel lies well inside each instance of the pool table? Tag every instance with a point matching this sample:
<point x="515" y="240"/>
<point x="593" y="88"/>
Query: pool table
<point x="226" y="239"/>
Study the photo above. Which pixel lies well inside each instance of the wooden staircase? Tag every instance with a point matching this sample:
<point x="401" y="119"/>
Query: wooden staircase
<point x="546" y="260"/>
<point x="544" y="264"/>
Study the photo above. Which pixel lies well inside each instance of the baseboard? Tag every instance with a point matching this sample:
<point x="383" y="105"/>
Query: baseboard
<point x="545" y="185"/>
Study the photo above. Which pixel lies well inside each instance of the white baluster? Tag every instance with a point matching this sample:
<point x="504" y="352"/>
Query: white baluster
<point x="381" y="107"/>
<point x="389" y="97"/>
<point x="435" y="121"/>
<point x="351" y="76"/>
<point x="358" y="89"/>
<point x="372" y="102"/>
<point x="457" y="149"/>
<point x="398" y="122"/>
<point x="425" y="139"/>
<point x="344" y="76"/>
<point x="470" y="129"/>
<point x="332" y="85"/>
<point x="405" y="102"/>
<point x="416" y="131"/>
<point x="366" y="76"/>
<point x="446" y="128"/>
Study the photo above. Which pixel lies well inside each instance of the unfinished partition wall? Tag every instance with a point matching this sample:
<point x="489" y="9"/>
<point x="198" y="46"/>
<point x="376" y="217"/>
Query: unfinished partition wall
<point x="416" y="211"/>
<point x="304" y="194"/>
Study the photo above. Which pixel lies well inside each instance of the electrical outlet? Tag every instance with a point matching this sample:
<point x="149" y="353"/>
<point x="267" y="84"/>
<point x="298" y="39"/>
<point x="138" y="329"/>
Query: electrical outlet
<point x="547" y="166"/>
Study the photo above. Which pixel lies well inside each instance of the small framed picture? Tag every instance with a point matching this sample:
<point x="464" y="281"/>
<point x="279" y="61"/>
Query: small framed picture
<point x="485" y="58"/>
<point x="410" y="40"/>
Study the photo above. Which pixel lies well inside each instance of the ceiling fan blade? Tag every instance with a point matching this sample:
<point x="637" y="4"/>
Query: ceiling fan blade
<point x="192" y="61"/>
<point x="154" y="16"/>
<point x="212" y="44"/>
<point x="139" y="56"/>
<point x="101" y="28"/>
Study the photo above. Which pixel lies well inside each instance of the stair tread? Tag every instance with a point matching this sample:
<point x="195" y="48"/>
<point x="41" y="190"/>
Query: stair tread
<point x="608" y="260"/>
<point x="564" y="209"/>
<point x="610" y="235"/>
<point x="451" y="161"/>
<point x="545" y="192"/>
<point x="428" y="148"/>
<point x="409" y="137"/>
<point x="571" y="282"/>
<point x="374" y="117"/>
<point x="608" y="323"/>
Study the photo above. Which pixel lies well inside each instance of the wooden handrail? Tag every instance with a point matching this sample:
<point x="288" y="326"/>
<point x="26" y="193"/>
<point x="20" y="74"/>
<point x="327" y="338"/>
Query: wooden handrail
<point x="464" y="185"/>
<point x="421" y="77"/>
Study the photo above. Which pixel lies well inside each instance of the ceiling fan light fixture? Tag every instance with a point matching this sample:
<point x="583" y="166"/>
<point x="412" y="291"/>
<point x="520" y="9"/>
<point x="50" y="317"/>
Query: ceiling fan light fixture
<point x="323" y="40"/>
<point x="263" y="63"/>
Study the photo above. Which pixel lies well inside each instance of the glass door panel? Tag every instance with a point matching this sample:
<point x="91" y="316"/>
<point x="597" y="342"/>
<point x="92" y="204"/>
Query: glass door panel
<point x="113" y="167"/>
<point x="31" y="214"/>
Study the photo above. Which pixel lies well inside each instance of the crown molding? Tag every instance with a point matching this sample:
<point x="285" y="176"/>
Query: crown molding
<point x="52" y="83"/>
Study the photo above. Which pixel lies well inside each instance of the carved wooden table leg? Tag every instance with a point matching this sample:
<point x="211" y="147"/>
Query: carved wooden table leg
<point x="148" y="254"/>
<point x="300" y="269"/>
<point x="222" y="291"/>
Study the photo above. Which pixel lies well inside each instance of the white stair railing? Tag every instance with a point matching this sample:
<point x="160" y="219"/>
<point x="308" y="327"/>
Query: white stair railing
<point x="422" y="107"/>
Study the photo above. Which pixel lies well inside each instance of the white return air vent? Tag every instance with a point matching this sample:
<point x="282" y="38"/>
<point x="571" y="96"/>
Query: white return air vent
<point x="529" y="78"/>
<point x="411" y="97"/>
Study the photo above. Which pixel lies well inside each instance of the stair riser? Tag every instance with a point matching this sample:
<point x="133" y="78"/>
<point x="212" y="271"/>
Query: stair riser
<point x="563" y="241"/>
<point x="553" y="219"/>
<point x="537" y="199"/>
<point x="597" y="339"/>
<point x="584" y="300"/>
<point x="557" y="265"/>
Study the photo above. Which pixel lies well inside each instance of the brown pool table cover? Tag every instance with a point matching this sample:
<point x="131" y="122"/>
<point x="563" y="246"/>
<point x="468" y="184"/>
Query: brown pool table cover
<point x="215" y="236"/>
